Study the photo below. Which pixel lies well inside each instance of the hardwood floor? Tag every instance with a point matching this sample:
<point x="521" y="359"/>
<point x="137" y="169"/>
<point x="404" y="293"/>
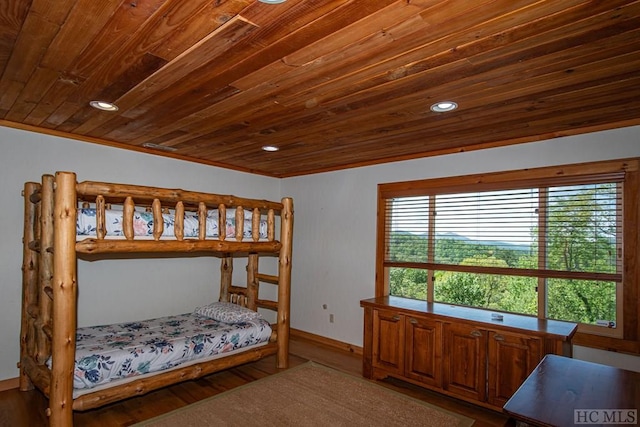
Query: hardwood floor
<point x="27" y="409"/>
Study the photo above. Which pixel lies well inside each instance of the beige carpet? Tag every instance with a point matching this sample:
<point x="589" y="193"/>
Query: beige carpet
<point x="310" y="395"/>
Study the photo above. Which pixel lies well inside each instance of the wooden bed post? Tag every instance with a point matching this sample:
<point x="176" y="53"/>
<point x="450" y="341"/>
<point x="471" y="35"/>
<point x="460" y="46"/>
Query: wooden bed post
<point x="45" y="268"/>
<point x="284" y="282"/>
<point x="252" y="281"/>
<point x="64" y="301"/>
<point x="226" y="276"/>
<point x="29" y="282"/>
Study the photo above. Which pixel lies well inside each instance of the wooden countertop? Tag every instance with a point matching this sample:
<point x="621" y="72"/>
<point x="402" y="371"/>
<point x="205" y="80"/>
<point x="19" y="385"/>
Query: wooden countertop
<point x="555" y="328"/>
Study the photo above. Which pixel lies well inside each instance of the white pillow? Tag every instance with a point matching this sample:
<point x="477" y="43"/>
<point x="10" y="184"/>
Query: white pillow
<point x="227" y="312"/>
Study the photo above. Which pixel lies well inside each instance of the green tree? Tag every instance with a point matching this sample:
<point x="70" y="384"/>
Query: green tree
<point x="580" y="237"/>
<point x="513" y="294"/>
<point x="408" y="247"/>
<point x="408" y="283"/>
<point x="581" y="300"/>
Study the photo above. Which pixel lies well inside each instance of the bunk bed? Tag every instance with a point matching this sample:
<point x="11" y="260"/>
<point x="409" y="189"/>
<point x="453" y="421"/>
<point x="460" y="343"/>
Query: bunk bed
<point x="65" y="220"/>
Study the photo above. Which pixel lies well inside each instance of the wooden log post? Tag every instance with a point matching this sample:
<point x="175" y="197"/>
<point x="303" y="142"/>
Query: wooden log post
<point x="271" y="225"/>
<point x="127" y="218"/>
<point x="64" y="301"/>
<point x="145" y="195"/>
<point x="255" y="224"/>
<point x="158" y="219"/>
<point x="202" y="221"/>
<point x="29" y="282"/>
<point x="239" y="223"/>
<point x="95" y="246"/>
<point x="32" y="337"/>
<point x="45" y="269"/>
<point x="226" y="276"/>
<point x="178" y="225"/>
<point x="222" y="222"/>
<point x="101" y="217"/>
<point x="284" y="282"/>
<point x="252" y="281"/>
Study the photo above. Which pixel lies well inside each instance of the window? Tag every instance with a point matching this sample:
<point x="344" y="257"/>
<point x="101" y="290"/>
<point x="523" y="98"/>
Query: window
<point x="548" y="242"/>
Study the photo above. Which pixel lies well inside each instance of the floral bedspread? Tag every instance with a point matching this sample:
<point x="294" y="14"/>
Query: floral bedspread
<point x="143" y="224"/>
<point x="106" y="353"/>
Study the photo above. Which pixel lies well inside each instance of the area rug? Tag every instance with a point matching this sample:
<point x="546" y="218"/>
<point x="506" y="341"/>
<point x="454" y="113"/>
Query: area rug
<point x="310" y="395"/>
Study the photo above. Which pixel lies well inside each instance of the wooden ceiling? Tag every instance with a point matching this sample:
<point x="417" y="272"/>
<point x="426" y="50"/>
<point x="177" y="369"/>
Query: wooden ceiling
<point x="333" y="83"/>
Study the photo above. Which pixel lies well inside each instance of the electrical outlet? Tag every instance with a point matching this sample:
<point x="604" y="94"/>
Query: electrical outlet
<point x="331" y="318"/>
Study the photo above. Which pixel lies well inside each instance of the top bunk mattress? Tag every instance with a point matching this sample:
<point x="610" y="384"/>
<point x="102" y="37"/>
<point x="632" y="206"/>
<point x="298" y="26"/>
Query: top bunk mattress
<point x="143" y="225"/>
<point x="113" y="352"/>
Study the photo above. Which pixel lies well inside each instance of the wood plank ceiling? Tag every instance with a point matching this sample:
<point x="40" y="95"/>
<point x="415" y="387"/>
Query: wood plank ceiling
<point x="332" y="83"/>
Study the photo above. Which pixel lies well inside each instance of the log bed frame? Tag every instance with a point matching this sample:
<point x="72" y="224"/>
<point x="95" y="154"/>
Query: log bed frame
<point x="49" y="305"/>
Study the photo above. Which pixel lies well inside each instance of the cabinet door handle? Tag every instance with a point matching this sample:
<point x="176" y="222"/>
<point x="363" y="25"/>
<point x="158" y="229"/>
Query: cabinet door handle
<point x="414" y="321"/>
<point x="476" y="333"/>
<point x="396" y="317"/>
<point x="498" y="337"/>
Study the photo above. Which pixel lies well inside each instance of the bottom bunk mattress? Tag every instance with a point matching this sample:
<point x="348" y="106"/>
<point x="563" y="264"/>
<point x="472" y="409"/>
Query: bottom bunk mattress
<point x="126" y="350"/>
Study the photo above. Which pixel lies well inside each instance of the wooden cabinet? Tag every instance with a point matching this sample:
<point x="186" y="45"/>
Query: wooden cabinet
<point x="423" y="353"/>
<point x="465" y="363"/>
<point x="458" y="351"/>
<point x="511" y="357"/>
<point x="389" y="347"/>
<point x="407" y="345"/>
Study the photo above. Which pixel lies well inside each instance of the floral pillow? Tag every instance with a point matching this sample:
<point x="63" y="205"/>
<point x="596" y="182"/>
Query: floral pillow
<point x="227" y="312"/>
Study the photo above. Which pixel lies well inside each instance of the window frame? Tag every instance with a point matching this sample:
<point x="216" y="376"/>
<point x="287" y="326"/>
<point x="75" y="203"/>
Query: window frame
<point x="627" y="337"/>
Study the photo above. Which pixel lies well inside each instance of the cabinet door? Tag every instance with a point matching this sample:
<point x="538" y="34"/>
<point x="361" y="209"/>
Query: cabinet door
<point x="465" y="361"/>
<point x="424" y="350"/>
<point x="512" y="357"/>
<point x="388" y="341"/>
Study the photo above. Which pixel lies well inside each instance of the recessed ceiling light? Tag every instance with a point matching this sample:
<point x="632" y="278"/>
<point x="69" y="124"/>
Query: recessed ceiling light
<point x="272" y="1"/>
<point x="444" y="106"/>
<point x="103" y="105"/>
<point x="270" y="148"/>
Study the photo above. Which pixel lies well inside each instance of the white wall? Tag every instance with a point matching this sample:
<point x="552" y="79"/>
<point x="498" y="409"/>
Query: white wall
<point x="620" y="360"/>
<point x="109" y="291"/>
<point x="334" y="237"/>
<point x="335" y="225"/>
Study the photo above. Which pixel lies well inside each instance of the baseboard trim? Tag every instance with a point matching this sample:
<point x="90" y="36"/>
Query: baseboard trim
<point x="9" y="384"/>
<point x="326" y="341"/>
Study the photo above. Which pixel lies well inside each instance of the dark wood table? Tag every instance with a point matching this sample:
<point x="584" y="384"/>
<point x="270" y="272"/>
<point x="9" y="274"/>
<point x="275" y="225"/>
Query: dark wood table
<point x="560" y="385"/>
